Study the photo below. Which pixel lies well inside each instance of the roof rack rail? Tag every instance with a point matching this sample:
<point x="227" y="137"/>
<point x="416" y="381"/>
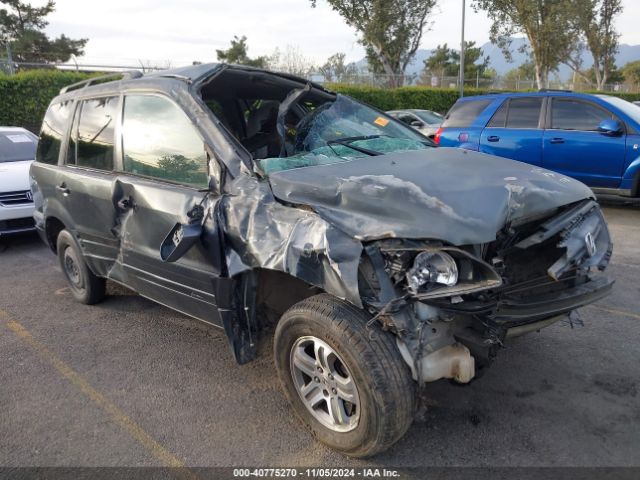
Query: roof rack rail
<point x="131" y="74"/>
<point x="554" y="90"/>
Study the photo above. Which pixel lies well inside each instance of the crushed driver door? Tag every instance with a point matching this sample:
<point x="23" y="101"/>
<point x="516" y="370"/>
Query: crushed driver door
<point x="164" y="182"/>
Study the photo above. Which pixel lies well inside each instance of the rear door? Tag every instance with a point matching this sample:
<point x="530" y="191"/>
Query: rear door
<point x="84" y="185"/>
<point x="164" y="177"/>
<point x="515" y="130"/>
<point x="463" y="124"/>
<point x="574" y="146"/>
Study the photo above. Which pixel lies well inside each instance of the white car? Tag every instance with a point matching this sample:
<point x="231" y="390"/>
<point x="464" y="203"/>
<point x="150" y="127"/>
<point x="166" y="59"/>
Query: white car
<point x="17" y="151"/>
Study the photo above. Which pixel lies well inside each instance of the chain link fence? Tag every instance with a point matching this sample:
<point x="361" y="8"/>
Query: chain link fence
<point x="508" y="83"/>
<point x="494" y="83"/>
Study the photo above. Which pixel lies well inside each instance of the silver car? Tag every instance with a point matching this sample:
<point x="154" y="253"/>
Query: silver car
<point x="426" y="122"/>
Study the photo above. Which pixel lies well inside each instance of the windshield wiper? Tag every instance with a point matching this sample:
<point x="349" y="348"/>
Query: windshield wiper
<point x="346" y="142"/>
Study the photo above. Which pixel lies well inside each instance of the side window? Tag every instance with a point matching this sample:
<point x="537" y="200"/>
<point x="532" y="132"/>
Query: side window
<point x="406" y="118"/>
<point x="499" y="118"/>
<point x="463" y="114"/>
<point x="524" y="112"/>
<point x="91" y="140"/>
<point x="570" y="114"/>
<point x="53" y="128"/>
<point x="159" y="140"/>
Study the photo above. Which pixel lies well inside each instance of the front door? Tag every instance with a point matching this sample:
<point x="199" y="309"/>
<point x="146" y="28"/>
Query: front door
<point x="515" y="131"/>
<point x="574" y="146"/>
<point x="164" y="177"/>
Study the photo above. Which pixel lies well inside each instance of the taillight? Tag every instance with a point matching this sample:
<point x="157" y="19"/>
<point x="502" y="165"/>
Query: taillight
<point x="436" y="137"/>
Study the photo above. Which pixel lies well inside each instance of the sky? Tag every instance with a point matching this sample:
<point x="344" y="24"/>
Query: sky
<point x="128" y="32"/>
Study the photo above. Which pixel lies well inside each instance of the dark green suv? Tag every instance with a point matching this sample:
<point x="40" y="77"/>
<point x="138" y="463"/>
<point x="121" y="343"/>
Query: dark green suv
<point x="253" y="200"/>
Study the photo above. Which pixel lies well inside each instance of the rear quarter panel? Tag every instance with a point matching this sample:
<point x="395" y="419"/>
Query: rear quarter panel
<point x="469" y="137"/>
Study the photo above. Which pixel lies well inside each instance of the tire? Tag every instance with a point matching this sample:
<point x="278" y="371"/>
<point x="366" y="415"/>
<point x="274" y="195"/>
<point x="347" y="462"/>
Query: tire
<point x="86" y="287"/>
<point x="383" y="406"/>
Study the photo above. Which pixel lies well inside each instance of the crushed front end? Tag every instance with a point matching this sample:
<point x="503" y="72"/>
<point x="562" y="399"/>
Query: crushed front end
<point x="453" y="307"/>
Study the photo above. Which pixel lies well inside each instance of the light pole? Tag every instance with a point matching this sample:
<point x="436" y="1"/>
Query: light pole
<point x="462" y="54"/>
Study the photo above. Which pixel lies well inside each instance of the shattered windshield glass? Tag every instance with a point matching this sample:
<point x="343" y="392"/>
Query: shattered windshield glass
<point x="340" y="131"/>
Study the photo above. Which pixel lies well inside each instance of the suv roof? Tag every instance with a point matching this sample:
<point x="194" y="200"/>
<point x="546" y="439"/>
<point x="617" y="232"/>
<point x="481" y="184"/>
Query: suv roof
<point x="190" y="75"/>
<point x="539" y="93"/>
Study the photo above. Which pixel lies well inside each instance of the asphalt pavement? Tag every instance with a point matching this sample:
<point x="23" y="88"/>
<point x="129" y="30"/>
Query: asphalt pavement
<point x="131" y="383"/>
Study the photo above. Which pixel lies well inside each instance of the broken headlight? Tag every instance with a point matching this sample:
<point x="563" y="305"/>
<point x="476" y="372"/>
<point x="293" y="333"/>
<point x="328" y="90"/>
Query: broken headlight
<point x="432" y="267"/>
<point x="437" y="271"/>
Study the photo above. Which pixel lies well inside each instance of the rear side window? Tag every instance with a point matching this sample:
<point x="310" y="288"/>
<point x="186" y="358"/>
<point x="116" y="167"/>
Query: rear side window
<point x="518" y="113"/>
<point x="91" y="142"/>
<point x="159" y="140"/>
<point x="54" y="127"/>
<point x="570" y="114"/>
<point x="463" y="114"/>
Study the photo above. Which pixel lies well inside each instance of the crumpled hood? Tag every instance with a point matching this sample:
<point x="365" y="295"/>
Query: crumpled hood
<point x="458" y="196"/>
<point x="14" y="176"/>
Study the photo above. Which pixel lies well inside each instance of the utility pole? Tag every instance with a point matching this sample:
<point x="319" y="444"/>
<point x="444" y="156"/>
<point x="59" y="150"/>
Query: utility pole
<point x="462" y="54"/>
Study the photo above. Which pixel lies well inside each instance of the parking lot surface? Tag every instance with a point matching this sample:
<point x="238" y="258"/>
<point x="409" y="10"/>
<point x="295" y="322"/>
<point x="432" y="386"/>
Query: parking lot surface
<point x="131" y="383"/>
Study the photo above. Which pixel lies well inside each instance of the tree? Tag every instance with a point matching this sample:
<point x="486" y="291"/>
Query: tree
<point x="525" y="71"/>
<point x="335" y="69"/>
<point x="631" y="72"/>
<point x="440" y="62"/>
<point x="291" y="60"/>
<point x="546" y="23"/>
<point x="238" y="54"/>
<point x="594" y="23"/>
<point x="444" y="61"/>
<point x="475" y="63"/>
<point x="21" y="28"/>
<point x="390" y="30"/>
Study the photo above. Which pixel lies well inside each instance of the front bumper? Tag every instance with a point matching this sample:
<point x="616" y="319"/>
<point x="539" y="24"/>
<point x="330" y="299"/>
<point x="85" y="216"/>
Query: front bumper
<point x="525" y="310"/>
<point x="16" y="219"/>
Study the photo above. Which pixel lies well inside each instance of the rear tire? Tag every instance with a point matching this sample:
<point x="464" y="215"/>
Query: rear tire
<point x="324" y="352"/>
<point x="85" y="287"/>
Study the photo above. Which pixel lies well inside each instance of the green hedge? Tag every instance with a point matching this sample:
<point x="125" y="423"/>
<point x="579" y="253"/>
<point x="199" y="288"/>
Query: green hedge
<point x="438" y="99"/>
<point x="24" y="97"/>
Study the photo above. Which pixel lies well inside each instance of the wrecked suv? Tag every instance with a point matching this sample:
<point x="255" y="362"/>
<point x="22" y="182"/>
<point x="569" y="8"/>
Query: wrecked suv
<point x="253" y="201"/>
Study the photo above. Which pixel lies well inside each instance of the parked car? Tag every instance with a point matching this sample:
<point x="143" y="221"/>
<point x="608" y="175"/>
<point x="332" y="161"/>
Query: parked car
<point x="253" y="200"/>
<point x="426" y="122"/>
<point x="17" y="151"/>
<point x="592" y="138"/>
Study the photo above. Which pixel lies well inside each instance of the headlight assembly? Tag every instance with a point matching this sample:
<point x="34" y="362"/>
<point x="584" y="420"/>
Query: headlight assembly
<point x="436" y="272"/>
<point x="432" y="267"/>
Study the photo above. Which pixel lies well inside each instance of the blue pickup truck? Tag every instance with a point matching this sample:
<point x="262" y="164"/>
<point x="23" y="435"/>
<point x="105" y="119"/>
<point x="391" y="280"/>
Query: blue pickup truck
<point x="593" y="138"/>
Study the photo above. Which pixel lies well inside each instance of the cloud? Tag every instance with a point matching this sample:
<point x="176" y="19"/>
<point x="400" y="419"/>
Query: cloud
<point x="160" y="30"/>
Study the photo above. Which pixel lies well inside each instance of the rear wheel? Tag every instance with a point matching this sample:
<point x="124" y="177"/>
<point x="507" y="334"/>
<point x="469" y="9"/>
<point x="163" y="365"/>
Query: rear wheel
<point x="347" y="382"/>
<point x="84" y="285"/>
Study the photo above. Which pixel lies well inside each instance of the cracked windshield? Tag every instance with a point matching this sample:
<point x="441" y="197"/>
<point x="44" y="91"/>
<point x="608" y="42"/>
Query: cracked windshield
<point x="340" y="131"/>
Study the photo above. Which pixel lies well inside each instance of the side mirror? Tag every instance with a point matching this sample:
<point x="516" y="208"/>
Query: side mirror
<point x="417" y="124"/>
<point x="179" y="240"/>
<point x="610" y="127"/>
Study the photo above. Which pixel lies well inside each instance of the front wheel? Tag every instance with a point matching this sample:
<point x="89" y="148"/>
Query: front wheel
<point x="84" y="285"/>
<point x="346" y="381"/>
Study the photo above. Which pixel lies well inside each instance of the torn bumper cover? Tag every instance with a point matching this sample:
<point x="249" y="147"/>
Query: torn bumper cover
<point x="546" y="272"/>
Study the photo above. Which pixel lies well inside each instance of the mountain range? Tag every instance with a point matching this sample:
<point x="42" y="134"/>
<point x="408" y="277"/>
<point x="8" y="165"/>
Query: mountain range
<point x="497" y="60"/>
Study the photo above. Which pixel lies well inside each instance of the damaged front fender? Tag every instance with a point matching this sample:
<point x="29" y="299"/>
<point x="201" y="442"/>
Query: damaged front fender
<point x="261" y="232"/>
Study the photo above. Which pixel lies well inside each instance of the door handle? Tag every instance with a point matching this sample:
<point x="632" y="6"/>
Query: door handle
<point x="557" y="140"/>
<point x="493" y="138"/>
<point x="126" y="203"/>
<point x="63" y="189"/>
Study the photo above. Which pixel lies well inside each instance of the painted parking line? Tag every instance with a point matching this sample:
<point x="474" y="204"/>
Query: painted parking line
<point x="117" y="416"/>
<point x="616" y="311"/>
